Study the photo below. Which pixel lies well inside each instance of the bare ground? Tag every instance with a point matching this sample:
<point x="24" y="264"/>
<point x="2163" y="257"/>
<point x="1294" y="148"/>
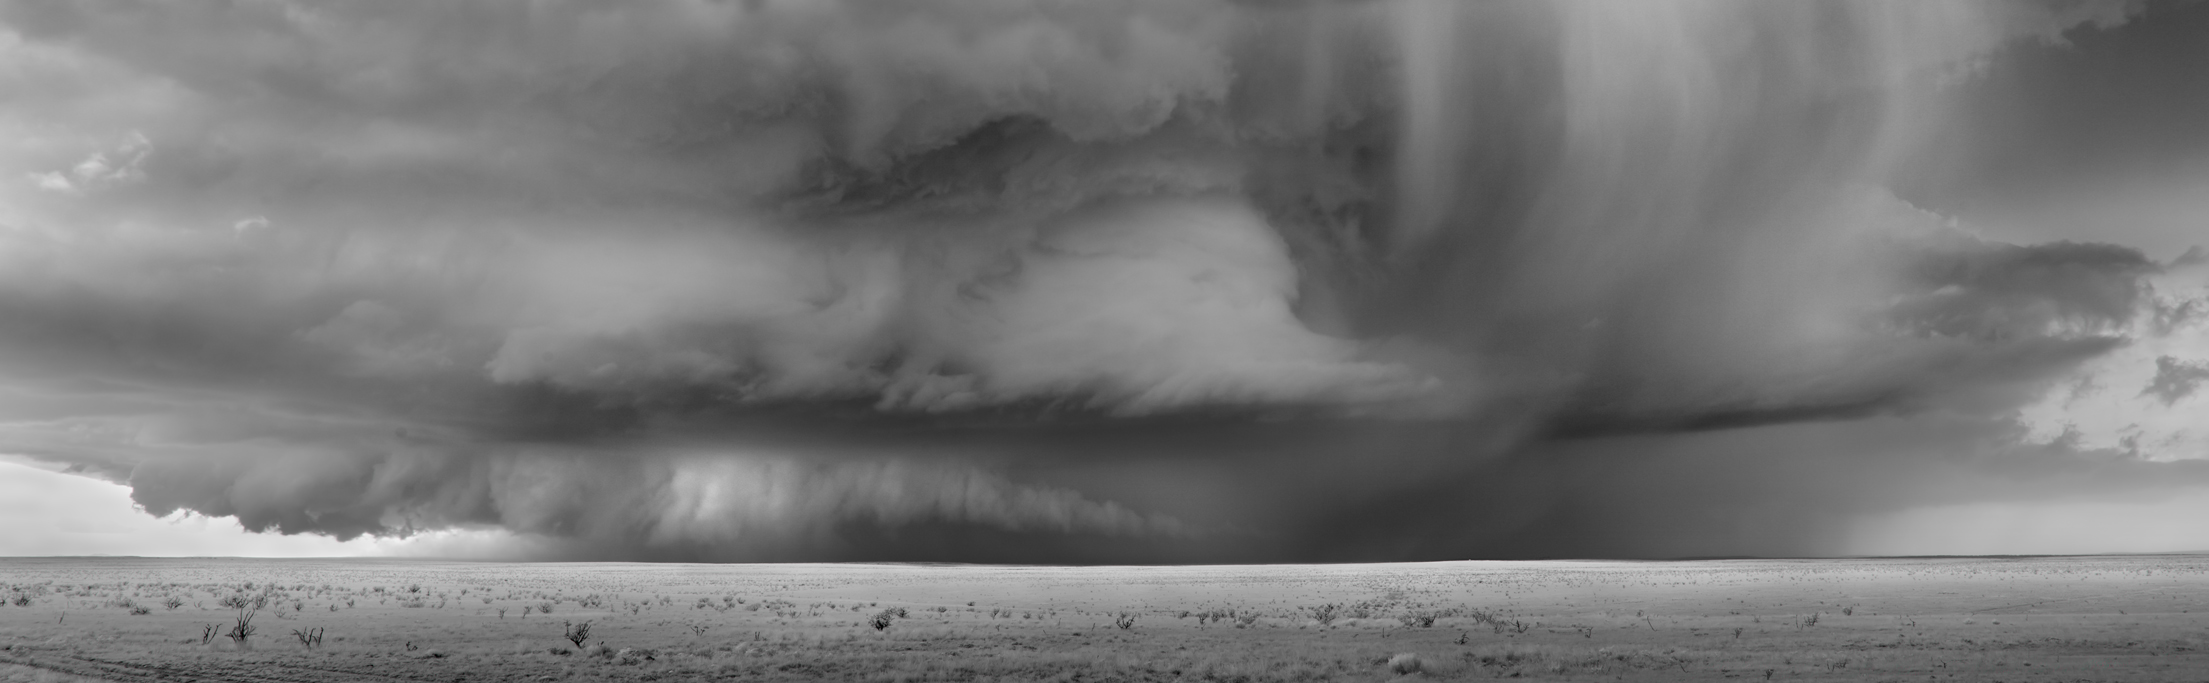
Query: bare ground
<point x="2129" y="618"/>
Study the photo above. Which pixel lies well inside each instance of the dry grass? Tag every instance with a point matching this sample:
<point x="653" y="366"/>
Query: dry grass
<point x="2127" y="618"/>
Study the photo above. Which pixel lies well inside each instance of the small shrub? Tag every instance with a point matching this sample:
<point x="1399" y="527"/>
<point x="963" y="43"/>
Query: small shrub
<point x="883" y="619"/>
<point x="1125" y="620"/>
<point x="1405" y="664"/>
<point x="577" y="633"/>
<point x="242" y="631"/>
<point x="172" y="603"/>
<point x="309" y="638"/>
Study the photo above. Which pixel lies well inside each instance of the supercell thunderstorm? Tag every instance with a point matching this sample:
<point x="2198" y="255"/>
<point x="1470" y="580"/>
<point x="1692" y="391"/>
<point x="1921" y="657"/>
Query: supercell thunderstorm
<point x="1056" y="281"/>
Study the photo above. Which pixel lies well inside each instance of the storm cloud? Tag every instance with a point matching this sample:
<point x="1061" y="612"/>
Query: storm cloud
<point x="1047" y="280"/>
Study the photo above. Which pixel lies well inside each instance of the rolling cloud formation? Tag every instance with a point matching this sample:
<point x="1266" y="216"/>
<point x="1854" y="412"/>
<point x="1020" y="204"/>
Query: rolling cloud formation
<point x="1141" y="280"/>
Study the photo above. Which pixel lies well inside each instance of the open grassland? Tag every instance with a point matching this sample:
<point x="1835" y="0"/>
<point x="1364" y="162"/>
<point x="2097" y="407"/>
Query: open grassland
<point x="1981" y="619"/>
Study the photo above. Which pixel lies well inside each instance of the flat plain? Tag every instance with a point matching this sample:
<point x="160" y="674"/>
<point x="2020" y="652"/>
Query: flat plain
<point x="2102" y="618"/>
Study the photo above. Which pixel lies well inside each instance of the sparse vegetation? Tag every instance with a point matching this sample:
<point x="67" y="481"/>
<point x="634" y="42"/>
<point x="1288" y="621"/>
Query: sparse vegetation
<point x="1545" y="627"/>
<point x="242" y="629"/>
<point x="884" y="618"/>
<point x="1405" y="664"/>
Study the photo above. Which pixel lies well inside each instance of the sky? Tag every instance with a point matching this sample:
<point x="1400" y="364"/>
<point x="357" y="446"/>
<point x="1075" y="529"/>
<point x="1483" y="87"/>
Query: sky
<point x="1103" y="281"/>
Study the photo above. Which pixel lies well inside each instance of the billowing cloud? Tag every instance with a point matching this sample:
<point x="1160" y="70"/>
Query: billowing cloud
<point x="2175" y="379"/>
<point x="783" y="279"/>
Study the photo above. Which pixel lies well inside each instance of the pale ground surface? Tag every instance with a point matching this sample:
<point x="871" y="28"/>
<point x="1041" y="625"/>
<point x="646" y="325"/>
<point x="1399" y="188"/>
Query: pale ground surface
<point x="2138" y="618"/>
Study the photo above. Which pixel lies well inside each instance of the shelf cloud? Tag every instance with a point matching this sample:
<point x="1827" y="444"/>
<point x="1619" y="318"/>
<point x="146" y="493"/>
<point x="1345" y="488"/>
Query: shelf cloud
<point x="1056" y="281"/>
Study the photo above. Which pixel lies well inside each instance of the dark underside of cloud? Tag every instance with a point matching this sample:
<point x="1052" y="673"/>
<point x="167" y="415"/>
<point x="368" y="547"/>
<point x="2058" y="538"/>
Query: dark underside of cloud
<point x="1042" y="281"/>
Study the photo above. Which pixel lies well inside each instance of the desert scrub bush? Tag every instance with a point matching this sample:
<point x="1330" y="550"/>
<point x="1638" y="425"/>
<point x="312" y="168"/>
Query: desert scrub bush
<point x="1421" y="620"/>
<point x="884" y="618"/>
<point x="1405" y="664"/>
<point x="1124" y="620"/>
<point x="308" y="638"/>
<point x="577" y="633"/>
<point x="544" y="607"/>
<point x="1324" y="614"/>
<point x="172" y="603"/>
<point x="242" y="630"/>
